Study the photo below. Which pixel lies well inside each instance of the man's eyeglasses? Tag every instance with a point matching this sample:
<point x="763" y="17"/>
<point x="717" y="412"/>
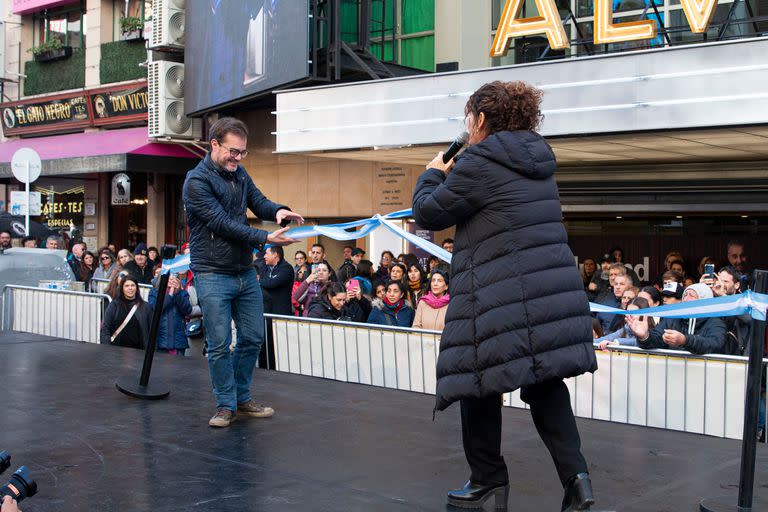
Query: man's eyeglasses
<point x="234" y="153"/>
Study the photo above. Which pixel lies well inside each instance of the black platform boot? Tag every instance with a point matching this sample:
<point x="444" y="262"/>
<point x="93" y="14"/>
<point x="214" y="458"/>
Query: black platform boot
<point x="475" y="496"/>
<point x="578" y="493"/>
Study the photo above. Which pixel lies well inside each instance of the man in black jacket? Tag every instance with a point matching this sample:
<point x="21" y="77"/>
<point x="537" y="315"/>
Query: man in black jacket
<point x="216" y="195"/>
<point x="141" y="267"/>
<point x="276" y="280"/>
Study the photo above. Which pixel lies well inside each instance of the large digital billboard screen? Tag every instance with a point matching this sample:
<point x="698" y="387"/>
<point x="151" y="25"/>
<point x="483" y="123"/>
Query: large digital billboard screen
<point x="240" y="48"/>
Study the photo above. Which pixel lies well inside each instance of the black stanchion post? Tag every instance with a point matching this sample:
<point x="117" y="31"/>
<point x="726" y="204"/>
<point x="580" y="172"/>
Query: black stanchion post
<point x="745" y="502"/>
<point x="269" y="340"/>
<point x="143" y="389"/>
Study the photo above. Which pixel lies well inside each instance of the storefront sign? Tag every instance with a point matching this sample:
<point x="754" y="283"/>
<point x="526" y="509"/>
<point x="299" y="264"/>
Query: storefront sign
<point x="19" y="203"/>
<point x="121" y="104"/>
<point x="116" y="105"/>
<point x="415" y="249"/>
<point x="698" y="13"/>
<point x="121" y="189"/>
<point x="46" y="115"/>
<point x="62" y="209"/>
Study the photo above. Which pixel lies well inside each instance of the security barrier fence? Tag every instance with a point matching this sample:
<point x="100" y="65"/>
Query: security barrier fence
<point x="661" y="388"/>
<point x="59" y="313"/>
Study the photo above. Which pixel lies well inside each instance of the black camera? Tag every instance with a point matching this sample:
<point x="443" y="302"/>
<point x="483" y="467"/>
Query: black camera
<point x="168" y="252"/>
<point x="5" y="461"/>
<point x="20" y="486"/>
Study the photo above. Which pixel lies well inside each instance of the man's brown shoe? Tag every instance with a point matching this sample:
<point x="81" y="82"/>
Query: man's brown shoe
<point x="254" y="410"/>
<point x="223" y="418"/>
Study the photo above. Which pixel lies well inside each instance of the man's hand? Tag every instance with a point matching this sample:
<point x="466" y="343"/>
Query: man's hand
<point x="288" y="215"/>
<point x="279" y="238"/>
<point x="673" y="338"/>
<point x="438" y="163"/>
<point x="707" y="279"/>
<point x="9" y="505"/>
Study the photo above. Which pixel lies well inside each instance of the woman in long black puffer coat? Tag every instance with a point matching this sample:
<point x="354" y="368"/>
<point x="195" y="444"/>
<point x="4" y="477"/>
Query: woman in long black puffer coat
<point x="518" y="316"/>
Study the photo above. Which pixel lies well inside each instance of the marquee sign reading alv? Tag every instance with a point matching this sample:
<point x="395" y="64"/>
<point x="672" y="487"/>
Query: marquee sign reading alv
<point x="698" y="13"/>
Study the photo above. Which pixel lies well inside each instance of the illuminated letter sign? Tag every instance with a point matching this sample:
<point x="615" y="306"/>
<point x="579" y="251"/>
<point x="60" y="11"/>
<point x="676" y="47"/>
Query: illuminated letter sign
<point x="607" y="32"/>
<point x="699" y="13"/>
<point x="511" y="26"/>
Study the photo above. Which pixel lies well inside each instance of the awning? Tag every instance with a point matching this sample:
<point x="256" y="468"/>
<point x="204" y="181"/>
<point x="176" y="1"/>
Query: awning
<point x="28" y="6"/>
<point x="105" y="142"/>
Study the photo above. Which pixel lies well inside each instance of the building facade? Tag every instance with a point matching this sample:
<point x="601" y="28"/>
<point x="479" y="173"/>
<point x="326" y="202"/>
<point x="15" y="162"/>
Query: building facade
<point x="661" y="142"/>
<point x="75" y="91"/>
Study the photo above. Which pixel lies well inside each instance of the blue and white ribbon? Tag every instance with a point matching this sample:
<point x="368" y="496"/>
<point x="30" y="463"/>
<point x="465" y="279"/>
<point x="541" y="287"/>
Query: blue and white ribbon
<point x="733" y="305"/>
<point x="344" y="231"/>
<point x="749" y="302"/>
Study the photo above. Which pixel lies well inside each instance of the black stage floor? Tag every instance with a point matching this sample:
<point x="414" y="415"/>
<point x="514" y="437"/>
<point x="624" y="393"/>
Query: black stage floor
<point x="331" y="446"/>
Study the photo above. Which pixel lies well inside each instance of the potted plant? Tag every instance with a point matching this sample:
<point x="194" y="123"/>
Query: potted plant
<point x="131" y="27"/>
<point x="51" y="50"/>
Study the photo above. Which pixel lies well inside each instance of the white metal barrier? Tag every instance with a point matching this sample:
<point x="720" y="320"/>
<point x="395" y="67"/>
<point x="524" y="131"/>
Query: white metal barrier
<point x="662" y="388"/>
<point x="100" y="286"/>
<point x="59" y="313"/>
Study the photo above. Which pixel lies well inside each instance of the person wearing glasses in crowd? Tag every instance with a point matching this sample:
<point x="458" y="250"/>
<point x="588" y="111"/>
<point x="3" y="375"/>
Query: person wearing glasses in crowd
<point x="300" y="259"/>
<point x="106" y="266"/>
<point x="216" y="195"/>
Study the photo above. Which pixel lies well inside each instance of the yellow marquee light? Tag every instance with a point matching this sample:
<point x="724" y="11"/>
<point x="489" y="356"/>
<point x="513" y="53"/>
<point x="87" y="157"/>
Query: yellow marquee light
<point x="699" y="13"/>
<point x="608" y="32"/>
<point x="511" y="26"/>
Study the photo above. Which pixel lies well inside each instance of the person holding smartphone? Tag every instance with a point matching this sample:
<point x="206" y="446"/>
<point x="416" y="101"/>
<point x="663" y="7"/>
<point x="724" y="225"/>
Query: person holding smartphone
<point x="310" y="287"/>
<point x="171" y="331"/>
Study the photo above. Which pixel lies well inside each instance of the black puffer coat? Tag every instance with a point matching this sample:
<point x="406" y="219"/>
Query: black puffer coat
<point x="215" y="200"/>
<point x="518" y="313"/>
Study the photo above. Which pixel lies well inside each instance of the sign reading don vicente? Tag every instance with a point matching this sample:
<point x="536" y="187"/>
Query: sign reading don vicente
<point x="120" y="104"/>
<point x="698" y="13"/>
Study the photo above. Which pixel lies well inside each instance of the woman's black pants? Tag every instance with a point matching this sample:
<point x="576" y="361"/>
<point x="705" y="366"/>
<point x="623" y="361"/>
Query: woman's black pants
<point x="551" y="411"/>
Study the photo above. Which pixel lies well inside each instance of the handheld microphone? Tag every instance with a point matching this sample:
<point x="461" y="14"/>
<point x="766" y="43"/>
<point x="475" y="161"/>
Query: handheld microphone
<point x="458" y="143"/>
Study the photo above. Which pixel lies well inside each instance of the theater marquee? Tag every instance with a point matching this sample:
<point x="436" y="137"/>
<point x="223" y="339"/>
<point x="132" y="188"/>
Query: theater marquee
<point x="698" y="13"/>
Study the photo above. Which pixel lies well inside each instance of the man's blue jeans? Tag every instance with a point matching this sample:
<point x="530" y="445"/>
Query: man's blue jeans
<point x="224" y="298"/>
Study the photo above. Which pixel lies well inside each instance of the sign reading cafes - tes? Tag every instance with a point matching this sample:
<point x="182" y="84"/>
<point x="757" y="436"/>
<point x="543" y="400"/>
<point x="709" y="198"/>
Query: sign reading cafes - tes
<point x="698" y="13"/>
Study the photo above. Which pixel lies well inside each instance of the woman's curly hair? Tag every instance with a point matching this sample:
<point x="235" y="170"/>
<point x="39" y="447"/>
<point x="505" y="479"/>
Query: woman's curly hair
<point x="507" y="106"/>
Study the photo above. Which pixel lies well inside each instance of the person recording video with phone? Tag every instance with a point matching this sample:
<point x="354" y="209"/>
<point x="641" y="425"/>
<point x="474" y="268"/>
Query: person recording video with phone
<point x="216" y="195"/>
<point x="518" y="315"/>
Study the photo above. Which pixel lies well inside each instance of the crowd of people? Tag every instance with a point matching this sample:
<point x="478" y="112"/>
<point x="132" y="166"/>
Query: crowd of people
<point x="399" y="292"/>
<point x="615" y="284"/>
<point x="127" y="318"/>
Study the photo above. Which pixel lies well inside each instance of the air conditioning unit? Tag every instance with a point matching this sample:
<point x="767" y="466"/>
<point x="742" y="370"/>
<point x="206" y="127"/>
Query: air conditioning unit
<point x="168" y="24"/>
<point x="166" y="103"/>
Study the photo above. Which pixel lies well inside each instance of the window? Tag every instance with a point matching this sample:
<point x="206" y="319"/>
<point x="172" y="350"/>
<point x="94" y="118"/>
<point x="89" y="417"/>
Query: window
<point x="141" y="9"/>
<point x="67" y="26"/>
<point x="401" y="31"/>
